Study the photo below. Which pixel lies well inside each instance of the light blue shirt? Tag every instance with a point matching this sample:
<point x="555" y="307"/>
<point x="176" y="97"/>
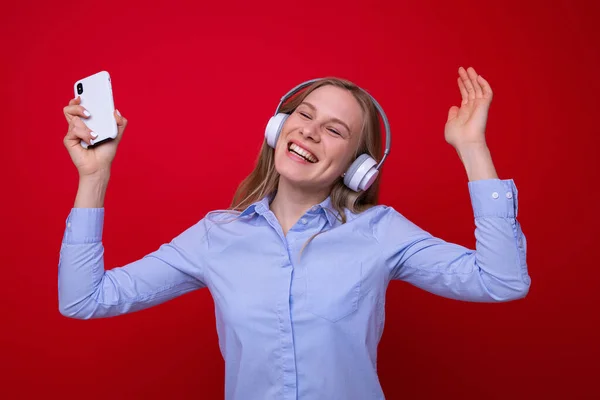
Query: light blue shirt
<point x="300" y="327"/>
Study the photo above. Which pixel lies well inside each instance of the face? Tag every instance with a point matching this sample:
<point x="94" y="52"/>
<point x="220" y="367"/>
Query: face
<point x="319" y="139"/>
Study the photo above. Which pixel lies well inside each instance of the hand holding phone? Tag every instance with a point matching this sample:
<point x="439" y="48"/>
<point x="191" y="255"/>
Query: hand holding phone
<point x="95" y="127"/>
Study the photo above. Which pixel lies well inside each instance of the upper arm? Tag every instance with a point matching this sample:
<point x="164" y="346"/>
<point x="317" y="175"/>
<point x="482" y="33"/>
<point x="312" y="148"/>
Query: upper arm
<point x="415" y="256"/>
<point x="495" y="271"/>
<point x="87" y="290"/>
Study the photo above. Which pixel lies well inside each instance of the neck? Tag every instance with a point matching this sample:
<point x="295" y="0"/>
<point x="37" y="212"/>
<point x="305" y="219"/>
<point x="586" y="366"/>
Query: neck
<point x="291" y="202"/>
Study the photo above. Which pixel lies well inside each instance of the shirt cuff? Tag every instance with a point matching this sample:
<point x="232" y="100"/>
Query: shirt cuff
<point x="494" y="198"/>
<point x="84" y="225"/>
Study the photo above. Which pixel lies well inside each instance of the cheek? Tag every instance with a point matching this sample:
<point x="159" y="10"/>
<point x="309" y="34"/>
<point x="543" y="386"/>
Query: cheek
<point x="279" y="154"/>
<point x="339" y="154"/>
<point x="281" y="147"/>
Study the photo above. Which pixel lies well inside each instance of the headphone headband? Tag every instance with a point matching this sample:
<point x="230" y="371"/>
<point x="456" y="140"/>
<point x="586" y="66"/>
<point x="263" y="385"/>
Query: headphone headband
<point x="388" y="134"/>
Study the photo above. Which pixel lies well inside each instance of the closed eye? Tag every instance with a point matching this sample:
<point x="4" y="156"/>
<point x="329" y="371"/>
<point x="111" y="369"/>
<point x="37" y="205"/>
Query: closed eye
<point x="305" y="115"/>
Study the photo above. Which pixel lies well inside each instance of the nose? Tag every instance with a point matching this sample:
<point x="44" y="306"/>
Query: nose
<point x="310" y="131"/>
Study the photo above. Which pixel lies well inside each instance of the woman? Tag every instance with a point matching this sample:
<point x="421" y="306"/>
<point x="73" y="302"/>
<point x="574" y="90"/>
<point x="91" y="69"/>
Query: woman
<point x="299" y="265"/>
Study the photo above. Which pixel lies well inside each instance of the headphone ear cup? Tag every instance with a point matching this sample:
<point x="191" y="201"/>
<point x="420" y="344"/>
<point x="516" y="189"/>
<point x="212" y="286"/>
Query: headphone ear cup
<point x="274" y="127"/>
<point x="361" y="174"/>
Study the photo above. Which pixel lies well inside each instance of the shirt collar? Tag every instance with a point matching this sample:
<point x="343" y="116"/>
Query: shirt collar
<point x="251" y="208"/>
<point x="325" y="207"/>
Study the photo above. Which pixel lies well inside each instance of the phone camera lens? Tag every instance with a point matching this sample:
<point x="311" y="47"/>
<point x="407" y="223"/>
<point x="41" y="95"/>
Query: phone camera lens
<point x="79" y="88"/>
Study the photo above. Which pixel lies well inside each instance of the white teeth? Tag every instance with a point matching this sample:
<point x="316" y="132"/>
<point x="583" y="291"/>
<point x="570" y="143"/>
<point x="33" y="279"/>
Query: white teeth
<point x="303" y="153"/>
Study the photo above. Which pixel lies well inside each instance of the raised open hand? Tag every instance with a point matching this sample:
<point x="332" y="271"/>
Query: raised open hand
<point x="466" y="125"/>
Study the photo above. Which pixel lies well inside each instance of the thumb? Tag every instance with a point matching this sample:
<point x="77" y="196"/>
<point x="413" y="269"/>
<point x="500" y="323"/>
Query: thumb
<point x="121" y="124"/>
<point x="452" y="113"/>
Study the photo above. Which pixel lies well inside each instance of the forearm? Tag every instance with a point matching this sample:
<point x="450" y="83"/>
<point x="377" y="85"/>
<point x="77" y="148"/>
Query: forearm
<point x="478" y="162"/>
<point x="92" y="191"/>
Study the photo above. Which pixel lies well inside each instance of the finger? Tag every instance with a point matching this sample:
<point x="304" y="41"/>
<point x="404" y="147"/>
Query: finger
<point x="473" y="79"/>
<point x="121" y="125"/>
<point x="77" y="121"/>
<point x="75" y="101"/>
<point x="463" y="91"/>
<point x="467" y="82"/>
<point x="77" y="133"/>
<point x="78" y="110"/>
<point x="485" y="87"/>
<point x="81" y="126"/>
<point x="121" y="120"/>
<point x="75" y="111"/>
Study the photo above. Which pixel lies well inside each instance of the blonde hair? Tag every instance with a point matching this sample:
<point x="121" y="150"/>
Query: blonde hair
<point x="263" y="180"/>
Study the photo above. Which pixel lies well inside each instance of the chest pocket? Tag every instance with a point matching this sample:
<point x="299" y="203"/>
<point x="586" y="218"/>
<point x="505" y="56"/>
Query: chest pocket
<point x="333" y="287"/>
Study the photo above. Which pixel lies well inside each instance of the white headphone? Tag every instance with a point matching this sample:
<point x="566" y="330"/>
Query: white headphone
<point x="363" y="171"/>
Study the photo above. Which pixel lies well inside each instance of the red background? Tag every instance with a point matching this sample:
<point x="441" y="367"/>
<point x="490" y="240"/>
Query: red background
<point x="198" y="82"/>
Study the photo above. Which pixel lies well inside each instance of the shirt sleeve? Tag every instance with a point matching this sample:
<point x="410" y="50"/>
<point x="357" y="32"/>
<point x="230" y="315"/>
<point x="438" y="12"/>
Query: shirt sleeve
<point x="86" y="290"/>
<point x="496" y="271"/>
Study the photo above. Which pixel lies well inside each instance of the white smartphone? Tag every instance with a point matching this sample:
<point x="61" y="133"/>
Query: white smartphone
<point x="97" y="98"/>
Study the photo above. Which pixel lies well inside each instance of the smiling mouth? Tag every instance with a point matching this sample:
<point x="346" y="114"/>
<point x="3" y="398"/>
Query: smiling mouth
<point x="299" y="151"/>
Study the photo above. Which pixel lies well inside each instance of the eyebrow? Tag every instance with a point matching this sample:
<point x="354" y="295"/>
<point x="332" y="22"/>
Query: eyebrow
<point x="333" y="119"/>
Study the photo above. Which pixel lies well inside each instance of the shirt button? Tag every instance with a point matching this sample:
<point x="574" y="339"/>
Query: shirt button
<point x="508" y="195"/>
<point x="304" y="221"/>
<point x="68" y="224"/>
<point x="495" y="195"/>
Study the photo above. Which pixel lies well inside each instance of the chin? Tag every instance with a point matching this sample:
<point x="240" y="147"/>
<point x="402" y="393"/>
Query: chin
<point x="301" y="178"/>
<point x="293" y="175"/>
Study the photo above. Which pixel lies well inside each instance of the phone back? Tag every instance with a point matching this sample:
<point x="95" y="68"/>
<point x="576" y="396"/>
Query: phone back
<point x="96" y="96"/>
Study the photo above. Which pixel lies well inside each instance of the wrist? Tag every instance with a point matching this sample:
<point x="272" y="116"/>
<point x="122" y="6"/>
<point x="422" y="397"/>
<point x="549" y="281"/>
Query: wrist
<point x="96" y="177"/>
<point x="477" y="161"/>
<point x="471" y="149"/>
